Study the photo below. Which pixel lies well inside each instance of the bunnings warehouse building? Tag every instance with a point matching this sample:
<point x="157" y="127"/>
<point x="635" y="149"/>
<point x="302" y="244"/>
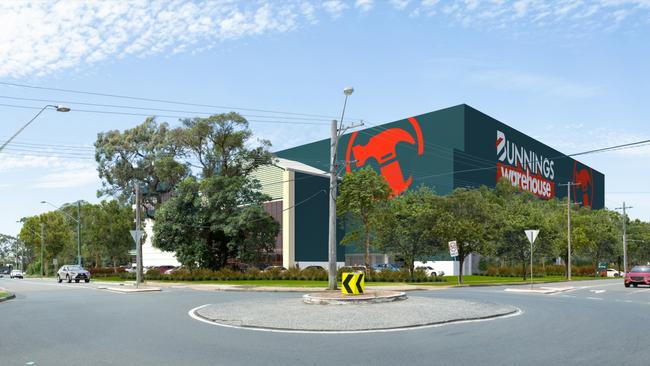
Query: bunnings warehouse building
<point x="446" y="149"/>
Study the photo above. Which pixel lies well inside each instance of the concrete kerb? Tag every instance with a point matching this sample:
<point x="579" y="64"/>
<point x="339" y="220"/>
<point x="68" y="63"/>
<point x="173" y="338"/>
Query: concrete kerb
<point x="369" y="297"/>
<point x="8" y="297"/>
<point x="330" y="320"/>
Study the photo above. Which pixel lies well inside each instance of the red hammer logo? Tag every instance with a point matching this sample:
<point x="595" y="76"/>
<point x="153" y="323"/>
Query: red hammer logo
<point x="382" y="148"/>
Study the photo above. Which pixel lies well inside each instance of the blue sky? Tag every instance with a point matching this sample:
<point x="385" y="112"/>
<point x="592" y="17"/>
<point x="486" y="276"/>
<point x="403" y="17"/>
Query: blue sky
<point x="573" y="74"/>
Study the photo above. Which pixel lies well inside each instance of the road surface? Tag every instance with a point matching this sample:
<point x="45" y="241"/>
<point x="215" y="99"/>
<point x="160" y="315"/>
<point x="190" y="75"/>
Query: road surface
<point x="599" y="322"/>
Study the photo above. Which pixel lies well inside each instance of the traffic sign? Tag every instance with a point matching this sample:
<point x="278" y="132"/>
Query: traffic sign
<point x="453" y="248"/>
<point x="55" y="261"/>
<point x="531" y="235"/>
<point x="602" y="265"/>
<point x="353" y="283"/>
<point x="136" y="235"/>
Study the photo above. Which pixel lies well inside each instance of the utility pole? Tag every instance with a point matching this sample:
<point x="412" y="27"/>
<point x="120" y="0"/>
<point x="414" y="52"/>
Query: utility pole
<point x="138" y="247"/>
<point x="42" y="246"/>
<point x="79" y="233"/>
<point x="331" y="276"/>
<point x="568" y="226"/>
<point x="336" y="132"/>
<point x="624" y="235"/>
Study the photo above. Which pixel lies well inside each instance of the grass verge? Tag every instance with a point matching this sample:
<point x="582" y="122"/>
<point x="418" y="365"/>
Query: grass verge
<point x="449" y="281"/>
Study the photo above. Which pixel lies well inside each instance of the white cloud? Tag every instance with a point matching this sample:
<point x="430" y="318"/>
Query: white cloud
<point x="71" y="178"/>
<point x="334" y="7"/>
<point x="364" y="5"/>
<point x="53" y="171"/>
<point x="42" y="37"/>
<point x="399" y="4"/>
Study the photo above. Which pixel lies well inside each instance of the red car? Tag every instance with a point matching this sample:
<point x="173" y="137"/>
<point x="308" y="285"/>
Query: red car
<point x="638" y="275"/>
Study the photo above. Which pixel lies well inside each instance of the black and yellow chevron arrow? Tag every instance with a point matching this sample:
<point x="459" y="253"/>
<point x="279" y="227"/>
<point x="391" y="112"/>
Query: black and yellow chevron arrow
<point x="353" y="283"/>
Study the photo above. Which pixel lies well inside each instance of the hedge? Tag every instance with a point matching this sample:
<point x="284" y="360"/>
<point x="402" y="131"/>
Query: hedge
<point x="277" y="274"/>
<point x="539" y="271"/>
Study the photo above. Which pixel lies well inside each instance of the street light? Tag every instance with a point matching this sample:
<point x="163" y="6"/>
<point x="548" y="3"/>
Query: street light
<point x="77" y="220"/>
<point x="58" y="108"/>
<point x="332" y="284"/>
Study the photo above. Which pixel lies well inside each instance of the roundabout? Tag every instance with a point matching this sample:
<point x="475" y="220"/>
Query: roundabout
<point x="293" y="315"/>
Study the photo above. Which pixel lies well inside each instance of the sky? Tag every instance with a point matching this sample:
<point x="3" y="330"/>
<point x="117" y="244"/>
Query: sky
<point x="573" y="74"/>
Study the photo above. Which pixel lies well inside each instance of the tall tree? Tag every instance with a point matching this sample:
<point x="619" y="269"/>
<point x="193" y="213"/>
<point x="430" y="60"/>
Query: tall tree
<point x="469" y="219"/>
<point x="57" y="235"/>
<point x="361" y="197"/>
<point x="146" y="154"/>
<point x="220" y="217"/>
<point x="517" y="212"/>
<point x="207" y="223"/>
<point x="221" y="145"/>
<point x="408" y="225"/>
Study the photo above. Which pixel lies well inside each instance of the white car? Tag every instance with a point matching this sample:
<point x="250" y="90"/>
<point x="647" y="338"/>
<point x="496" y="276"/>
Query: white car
<point x="430" y="271"/>
<point x="16" y="274"/>
<point x="611" y="272"/>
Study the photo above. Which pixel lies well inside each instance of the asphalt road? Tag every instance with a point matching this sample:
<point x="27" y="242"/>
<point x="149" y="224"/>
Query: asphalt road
<point x="600" y="322"/>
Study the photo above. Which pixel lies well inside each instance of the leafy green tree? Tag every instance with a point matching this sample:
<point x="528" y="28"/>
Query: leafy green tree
<point x="469" y="219"/>
<point x="597" y="234"/>
<point x="408" y="225"/>
<point x="518" y="212"/>
<point x="220" y="217"/>
<point x="211" y="221"/>
<point x="57" y="236"/>
<point x="362" y="195"/>
<point x="221" y="144"/>
<point x="146" y="154"/>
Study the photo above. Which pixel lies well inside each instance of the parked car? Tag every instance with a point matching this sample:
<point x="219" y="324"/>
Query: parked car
<point x="314" y="268"/>
<point x="16" y="274"/>
<point x="72" y="272"/>
<point x="389" y="267"/>
<point x="611" y="272"/>
<point x="638" y="275"/>
<point x="430" y="271"/>
<point x="274" y="268"/>
<point x="165" y="268"/>
<point x="174" y="269"/>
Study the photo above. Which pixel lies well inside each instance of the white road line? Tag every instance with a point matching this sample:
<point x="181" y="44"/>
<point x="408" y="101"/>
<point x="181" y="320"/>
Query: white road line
<point x="79" y="286"/>
<point x="594" y="298"/>
<point x="597" y="291"/>
<point x="192" y="314"/>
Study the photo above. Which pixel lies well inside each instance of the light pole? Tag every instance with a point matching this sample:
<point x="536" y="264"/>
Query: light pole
<point x="624" y="208"/>
<point x="336" y="131"/>
<point x="58" y="108"/>
<point x="77" y="220"/>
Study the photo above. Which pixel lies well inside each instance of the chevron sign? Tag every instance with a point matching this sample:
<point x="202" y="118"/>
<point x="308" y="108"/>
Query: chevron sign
<point x="353" y="283"/>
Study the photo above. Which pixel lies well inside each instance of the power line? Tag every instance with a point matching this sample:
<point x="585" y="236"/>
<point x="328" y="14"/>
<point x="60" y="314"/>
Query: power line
<point x="68" y="102"/>
<point x="166" y="101"/>
<point x="162" y="115"/>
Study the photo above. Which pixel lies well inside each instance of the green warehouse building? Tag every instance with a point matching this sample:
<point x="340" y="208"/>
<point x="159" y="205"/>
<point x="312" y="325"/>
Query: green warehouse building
<point x="446" y="149"/>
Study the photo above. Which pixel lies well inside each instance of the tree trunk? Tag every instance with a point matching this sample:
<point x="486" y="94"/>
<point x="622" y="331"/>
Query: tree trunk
<point x="523" y="266"/>
<point x="366" y="258"/>
<point x="114" y="265"/>
<point x="461" y="260"/>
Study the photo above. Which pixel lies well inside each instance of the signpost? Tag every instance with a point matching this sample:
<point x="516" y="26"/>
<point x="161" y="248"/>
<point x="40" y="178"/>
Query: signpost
<point x="137" y="235"/>
<point x="531" y="235"/>
<point x="453" y="252"/>
<point x="353" y="283"/>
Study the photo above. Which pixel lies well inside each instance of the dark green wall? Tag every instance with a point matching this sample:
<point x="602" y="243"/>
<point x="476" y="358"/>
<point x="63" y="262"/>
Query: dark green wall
<point x="480" y="144"/>
<point x="312" y="219"/>
<point x="459" y="151"/>
<point x="442" y="133"/>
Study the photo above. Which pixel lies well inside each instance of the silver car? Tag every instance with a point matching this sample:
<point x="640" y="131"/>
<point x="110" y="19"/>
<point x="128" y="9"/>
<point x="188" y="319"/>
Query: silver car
<point x="72" y="272"/>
